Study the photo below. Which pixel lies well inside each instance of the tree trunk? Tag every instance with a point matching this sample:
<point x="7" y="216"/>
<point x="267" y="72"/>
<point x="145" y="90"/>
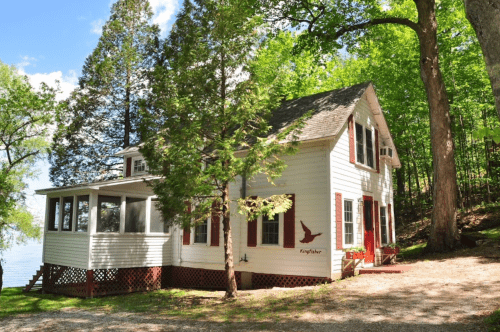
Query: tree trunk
<point x="400" y="193"/>
<point x="484" y="15"/>
<point x="228" y="245"/>
<point x="444" y="232"/>
<point x="1" y="277"/>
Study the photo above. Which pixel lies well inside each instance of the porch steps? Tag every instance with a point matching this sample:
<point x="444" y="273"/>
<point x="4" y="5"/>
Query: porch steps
<point x="36" y="282"/>
<point x="386" y="269"/>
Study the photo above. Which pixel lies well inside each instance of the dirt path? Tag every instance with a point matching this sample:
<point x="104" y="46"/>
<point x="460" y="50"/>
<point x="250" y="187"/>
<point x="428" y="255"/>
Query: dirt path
<point x="452" y="294"/>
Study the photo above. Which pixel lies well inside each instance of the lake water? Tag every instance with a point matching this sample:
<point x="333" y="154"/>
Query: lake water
<point x="20" y="263"/>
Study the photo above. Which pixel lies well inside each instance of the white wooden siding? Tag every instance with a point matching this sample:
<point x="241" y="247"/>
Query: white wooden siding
<point x="66" y="249"/>
<point x="354" y="181"/>
<point x="307" y="177"/>
<point x="134" y="250"/>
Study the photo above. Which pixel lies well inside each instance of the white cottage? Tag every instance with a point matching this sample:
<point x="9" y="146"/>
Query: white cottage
<point x="107" y="237"/>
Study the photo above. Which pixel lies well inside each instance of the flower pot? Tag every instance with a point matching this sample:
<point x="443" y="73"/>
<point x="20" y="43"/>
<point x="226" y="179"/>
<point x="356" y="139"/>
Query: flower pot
<point x="354" y="255"/>
<point x="391" y="251"/>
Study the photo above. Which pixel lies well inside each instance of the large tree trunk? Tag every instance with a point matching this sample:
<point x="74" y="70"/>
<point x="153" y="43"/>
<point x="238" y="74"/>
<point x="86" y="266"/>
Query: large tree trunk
<point x="484" y="15"/>
<point x="1" y="277"/>
<point x="444" y="232"/>
<point x="228" y="245"/>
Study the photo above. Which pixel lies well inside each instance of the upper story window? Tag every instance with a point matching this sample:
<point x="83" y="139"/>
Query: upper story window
<point x="364" y="145"/>
<point x="139" y="166"/>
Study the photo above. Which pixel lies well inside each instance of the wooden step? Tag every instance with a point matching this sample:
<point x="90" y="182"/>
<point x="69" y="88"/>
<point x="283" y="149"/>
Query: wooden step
<point x="34" y="283"/>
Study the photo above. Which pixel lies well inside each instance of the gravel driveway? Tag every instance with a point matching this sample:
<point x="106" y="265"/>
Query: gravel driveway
<point x="442" y="294"/>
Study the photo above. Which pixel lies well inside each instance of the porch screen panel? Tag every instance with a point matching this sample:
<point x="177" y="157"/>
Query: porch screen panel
<point x="67" y="218"/>
<point x="158" y="223"/>
<point x="108" y="214"/>
<point x="135" y="215"/>
<point x="82" y="213"/>
<point x="54" y="214"/>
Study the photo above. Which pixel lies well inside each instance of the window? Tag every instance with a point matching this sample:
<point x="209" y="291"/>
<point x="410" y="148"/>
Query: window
<point x="200" y="232"/>
<point x="360" y="155"/>
<point x="139" y="165"/>
<point x="67" y="216"/>
<point x="135" y="215"/>
<point x="158" y="223"/>
<point x="108" y="214"/>
<point x="54" y="214"/>
<point x="82" y="213"/>
<point x="383" y="225"/>
<point x="364" y="146"/>
<point x="369" y="147"/>
<point x="270" y="229"/>
<point x="348" y="223"/>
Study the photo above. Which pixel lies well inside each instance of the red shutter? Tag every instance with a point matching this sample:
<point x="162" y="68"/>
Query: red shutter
<point x="338" y="219"/>
<point x="186" y="238"/>
<point x="252" y="232"/>
<point x="389" y="211"/>
<point x="377" y="225"/>
<point x="377" y="151"/>
<point x="289" y="225"/>
<point x="350" y="125"/>
<point x="129" y="167"/>
<point x="215" y="226"/>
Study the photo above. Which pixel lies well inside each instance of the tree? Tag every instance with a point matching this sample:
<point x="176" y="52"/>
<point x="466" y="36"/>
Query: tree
<point x="206" y="121"/>
<point x="484" y="17"/>
<point x="25" y="116"/>
<point x="327" y="22"/>
<point x="103" y="115"/>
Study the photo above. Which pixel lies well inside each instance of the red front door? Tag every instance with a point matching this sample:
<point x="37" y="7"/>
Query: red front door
<point x="368" y="224"/>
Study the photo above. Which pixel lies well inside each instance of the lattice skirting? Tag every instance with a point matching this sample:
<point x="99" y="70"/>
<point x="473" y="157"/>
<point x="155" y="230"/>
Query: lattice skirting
<point x="260" y="280"/>
<point x="89" y="283"/>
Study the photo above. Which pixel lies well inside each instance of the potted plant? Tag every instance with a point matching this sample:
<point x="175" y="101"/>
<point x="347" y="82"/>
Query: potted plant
<point x="355" y="253"/>
<point x="391" y="249"/>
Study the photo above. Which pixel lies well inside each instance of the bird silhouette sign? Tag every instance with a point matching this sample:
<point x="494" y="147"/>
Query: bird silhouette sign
<point x="308" y="237"/>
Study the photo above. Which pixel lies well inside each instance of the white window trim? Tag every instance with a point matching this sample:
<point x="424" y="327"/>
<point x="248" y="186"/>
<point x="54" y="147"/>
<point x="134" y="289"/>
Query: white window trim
<point x="386" y="224"/>
<point x="193" y="233"/>
<point x="365" y="153"/>
<point x="132" y="172"/>
<point x="344" y="245"/>
<point x="281" y="223"/>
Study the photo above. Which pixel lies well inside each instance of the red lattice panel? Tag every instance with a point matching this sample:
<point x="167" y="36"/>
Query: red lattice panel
<point x="260" y="280"/>
<point x="64" y="280"/>
<point x="126" y="280"/>
<point x="187" y="277"/>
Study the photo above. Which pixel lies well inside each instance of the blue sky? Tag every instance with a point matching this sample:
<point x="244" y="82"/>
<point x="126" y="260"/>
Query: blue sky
<point x="50" y="40"/>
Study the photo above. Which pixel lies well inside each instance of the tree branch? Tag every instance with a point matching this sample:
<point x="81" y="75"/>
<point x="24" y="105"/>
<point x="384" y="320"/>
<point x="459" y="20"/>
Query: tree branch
<point x="377" y="21"/>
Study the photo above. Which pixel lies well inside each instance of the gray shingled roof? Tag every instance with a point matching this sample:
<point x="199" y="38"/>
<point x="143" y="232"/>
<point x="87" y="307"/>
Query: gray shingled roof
<point x="330" y="111"/>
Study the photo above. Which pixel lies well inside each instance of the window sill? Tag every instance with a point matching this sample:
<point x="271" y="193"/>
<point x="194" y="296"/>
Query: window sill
<point x="365" y="168"/>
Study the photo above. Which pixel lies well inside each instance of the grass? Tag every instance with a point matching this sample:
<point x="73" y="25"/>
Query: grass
<point x="492" y="233"/>
<point x="188" y="304"/>
<point x="493" y="321"/>
<point x="414" y="251"/>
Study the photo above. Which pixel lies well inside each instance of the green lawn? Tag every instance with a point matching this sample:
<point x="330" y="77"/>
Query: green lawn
<point x="188" y="304"/>
<point x="412" y="252"/>
<point x="492" y="233"/>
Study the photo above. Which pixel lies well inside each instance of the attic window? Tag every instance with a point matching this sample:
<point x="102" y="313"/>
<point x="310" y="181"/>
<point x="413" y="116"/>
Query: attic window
<point x="364" y="146"/>
<point x="139" y="165"/>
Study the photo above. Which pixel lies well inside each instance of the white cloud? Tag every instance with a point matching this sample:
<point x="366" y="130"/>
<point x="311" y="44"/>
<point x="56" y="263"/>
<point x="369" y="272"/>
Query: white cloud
<point x="67" y="83"/>
<point x="163" y="12"/>
<point x="97" y="26"/>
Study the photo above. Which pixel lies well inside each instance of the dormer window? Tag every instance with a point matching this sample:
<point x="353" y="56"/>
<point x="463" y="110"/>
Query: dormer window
<point x="139" y="166"/>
